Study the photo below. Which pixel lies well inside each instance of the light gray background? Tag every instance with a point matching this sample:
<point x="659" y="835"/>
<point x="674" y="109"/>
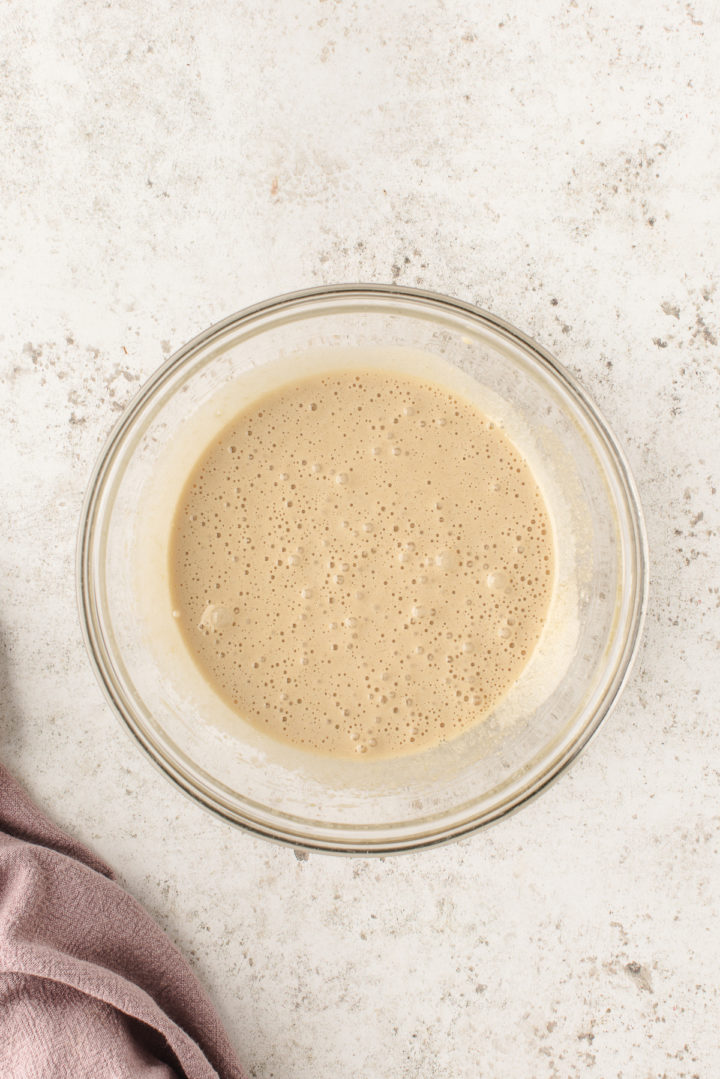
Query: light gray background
<point x="164" y="164"/>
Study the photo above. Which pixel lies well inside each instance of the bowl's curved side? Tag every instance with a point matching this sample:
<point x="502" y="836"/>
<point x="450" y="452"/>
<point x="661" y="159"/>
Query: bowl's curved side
<point x="314" y="834"/>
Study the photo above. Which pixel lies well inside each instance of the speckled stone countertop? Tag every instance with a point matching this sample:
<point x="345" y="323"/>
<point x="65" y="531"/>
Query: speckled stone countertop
<point x="165" y="164"/>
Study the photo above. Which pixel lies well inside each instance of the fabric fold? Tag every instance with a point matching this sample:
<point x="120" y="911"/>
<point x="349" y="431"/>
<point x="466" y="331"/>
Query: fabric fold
<point x="89" y="983"/>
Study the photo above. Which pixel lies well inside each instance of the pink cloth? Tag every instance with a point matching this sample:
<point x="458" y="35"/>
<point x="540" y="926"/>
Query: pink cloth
<point x="90" y="987"/>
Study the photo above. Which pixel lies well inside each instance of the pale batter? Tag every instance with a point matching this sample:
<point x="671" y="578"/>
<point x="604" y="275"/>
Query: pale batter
<point x="361" y="563"/>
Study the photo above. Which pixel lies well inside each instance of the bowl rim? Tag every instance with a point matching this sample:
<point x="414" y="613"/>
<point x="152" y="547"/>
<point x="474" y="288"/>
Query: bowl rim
<point x="100" y="659"/>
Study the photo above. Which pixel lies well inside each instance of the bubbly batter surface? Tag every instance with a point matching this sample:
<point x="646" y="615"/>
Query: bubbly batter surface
<point x="361" y="563"/>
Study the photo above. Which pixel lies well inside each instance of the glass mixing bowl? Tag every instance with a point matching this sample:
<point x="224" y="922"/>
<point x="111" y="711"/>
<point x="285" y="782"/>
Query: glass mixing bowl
<point x="571" y="682"/>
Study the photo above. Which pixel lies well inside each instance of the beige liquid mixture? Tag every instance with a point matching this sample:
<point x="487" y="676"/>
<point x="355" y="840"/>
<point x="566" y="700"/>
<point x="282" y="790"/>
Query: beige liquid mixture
<point x="361" y="563"/>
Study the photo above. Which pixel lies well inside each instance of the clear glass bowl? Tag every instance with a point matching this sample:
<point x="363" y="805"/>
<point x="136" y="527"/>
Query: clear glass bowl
<point x="435" y="795"/>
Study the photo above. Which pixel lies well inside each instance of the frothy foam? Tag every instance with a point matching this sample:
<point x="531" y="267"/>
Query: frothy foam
<point x="361" y="564"/>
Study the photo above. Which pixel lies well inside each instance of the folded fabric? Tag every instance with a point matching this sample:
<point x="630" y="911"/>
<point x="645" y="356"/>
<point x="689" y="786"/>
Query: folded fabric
<point x="90" y="986"/>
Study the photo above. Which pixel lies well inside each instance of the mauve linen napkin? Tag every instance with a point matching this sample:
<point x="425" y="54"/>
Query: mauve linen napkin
<point x="90" y="987"/>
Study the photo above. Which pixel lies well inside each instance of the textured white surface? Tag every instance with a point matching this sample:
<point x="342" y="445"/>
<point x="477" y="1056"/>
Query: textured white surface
<point x="165" y="164"/>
